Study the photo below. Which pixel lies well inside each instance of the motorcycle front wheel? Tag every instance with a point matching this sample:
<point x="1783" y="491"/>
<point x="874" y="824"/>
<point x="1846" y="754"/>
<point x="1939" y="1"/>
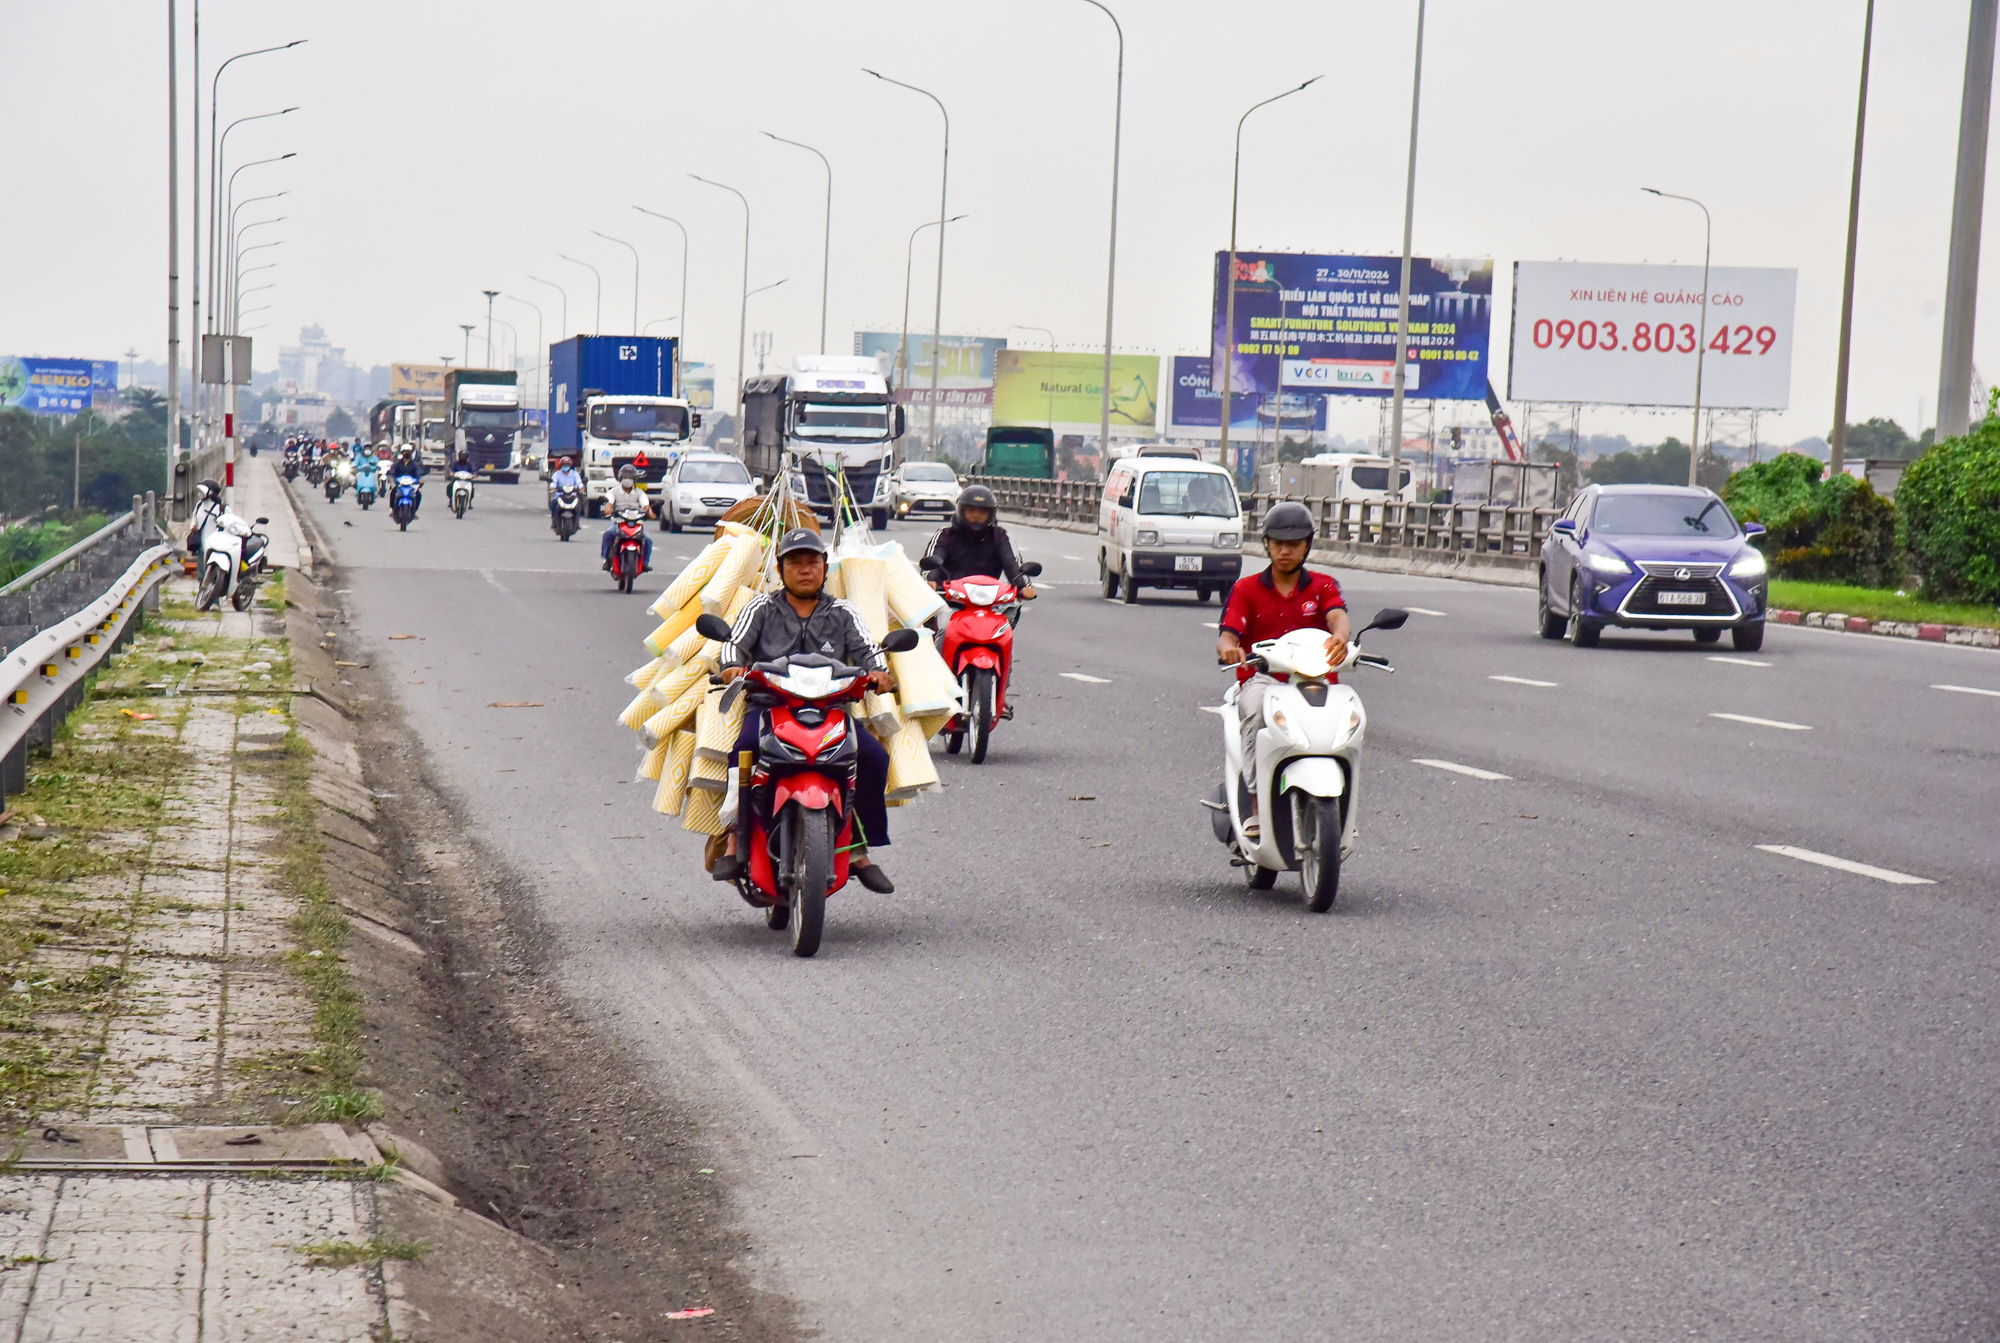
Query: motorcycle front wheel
<point x="811" y="871"/>
<point x="1316" y="840"/>
<point x="212" y="584"/>
<point x="979" y="711"/>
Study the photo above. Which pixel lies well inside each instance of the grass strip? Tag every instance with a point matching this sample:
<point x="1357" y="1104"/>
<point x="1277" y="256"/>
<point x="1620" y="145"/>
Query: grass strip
<point x="346" y="1253"/>
<point x="1876" y="604"/>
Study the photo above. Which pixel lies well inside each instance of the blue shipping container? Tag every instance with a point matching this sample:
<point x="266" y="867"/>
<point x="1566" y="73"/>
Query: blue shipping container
<point x="611" y="365"/>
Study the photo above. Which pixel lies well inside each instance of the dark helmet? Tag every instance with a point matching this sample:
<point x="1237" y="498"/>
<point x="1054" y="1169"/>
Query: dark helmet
<point x="977" y="496"/>
<point x="1288" y="521"/>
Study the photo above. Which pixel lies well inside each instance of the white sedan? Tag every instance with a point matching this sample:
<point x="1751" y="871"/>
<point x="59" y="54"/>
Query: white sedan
<point x="701" y="488"/>
<point x="923" y="489"/>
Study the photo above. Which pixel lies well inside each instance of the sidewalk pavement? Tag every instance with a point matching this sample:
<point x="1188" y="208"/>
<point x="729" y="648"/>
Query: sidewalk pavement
<point x="260" y="493"/>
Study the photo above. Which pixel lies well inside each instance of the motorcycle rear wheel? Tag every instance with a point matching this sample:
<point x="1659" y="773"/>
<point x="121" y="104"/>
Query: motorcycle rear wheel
<point x="811" y="872"/>
<point x="1316" y="832"/>
<point x="245" y="593"/>
<point x="979" y="711"/>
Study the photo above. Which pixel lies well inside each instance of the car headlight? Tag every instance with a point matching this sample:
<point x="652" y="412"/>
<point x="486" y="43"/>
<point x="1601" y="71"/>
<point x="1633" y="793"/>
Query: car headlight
<point x="1750" y="566"/>
<point x="1146" y="539"/>
<point x="1228" y="541"/>
<point x="1606" y="564"/>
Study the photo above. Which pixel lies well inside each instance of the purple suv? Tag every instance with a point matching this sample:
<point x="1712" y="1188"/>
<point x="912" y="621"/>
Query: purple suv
<point x="1652" y="557"/>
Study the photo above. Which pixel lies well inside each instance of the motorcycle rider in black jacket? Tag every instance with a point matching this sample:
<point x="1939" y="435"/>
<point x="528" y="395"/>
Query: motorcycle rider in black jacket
<point x="973" y="543"/>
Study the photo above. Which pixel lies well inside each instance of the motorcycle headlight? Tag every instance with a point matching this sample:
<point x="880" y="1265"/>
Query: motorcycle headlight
<point x="1752" y="565"/>
<point x="1146" y="539"/>
<point x="1606" y="564"/>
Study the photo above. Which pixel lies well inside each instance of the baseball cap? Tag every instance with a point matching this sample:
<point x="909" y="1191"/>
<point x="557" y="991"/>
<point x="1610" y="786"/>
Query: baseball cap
<point x="801" y="538"/>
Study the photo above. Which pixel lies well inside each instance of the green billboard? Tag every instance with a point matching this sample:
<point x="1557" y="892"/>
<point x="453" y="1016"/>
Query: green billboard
<point x="1059" y="387"/>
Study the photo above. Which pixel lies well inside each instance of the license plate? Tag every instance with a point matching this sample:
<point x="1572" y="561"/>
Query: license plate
<point x="1683" y="599"/>
<point x="1187" y="564"/>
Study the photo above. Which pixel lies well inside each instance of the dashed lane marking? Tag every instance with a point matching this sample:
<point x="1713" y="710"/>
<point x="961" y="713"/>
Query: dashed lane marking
<point x="1847" y="865"/>
<point x="1740" y="662"/>
<point x="1087" y="680"/>
<point x="1210" y="625"/>
<point x="1467" y="770"/>
<point x="1968" y="690"/>
<point x="1422" y="611"/>
<point x="1763" y="722"/>
<point x="1522" y="680"/>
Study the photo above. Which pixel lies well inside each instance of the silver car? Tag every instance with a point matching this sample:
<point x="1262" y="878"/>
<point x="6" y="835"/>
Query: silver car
<point x="923" y="489"/>
<point x="701" y="488"/>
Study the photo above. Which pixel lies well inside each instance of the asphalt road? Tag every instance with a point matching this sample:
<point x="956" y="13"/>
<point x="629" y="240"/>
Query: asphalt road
<point x="1572" y="1058"/>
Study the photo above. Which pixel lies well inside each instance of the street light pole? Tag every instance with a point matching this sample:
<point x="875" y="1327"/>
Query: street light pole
<point x="491" y="294"/>
<point x="680" y="339"/>
<point x="226" y="276"/>
<point x="1225" y="375"/>
<point x="541" y="349"/>
<point x="214" y="240"/>
<point x="236" y="253"/>
<point x="1837" y="449"/>
<point x="466" y="360"/>
<point x="1701" y="341"/>
<point x="1961" y="285"/>
<point x="221" y="154"/>
<point x="635" y="274"/>
<point x="597" y="326"/>
<point x="173" y="256"/>
<point x="937" y="311"/>
<point x="826" y="247"/>
<point x="564" y="327"/>
<point x="1111" y="263"/>
<point x="909" y="252"/>
<point x="743" y="315"/>
<point x="1403" y="294"/>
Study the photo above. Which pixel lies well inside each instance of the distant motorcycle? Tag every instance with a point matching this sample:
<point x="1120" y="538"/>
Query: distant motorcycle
<point x="291" y="463"/>
<point x="364" y="483"/>
<point x="978" y="646"/>
<point x="628" y="548"/>
<point x="569" y="504"/>
<point x="461" y="493"/>
<point x="403" y="502"/>
<point x="232" y="558"/>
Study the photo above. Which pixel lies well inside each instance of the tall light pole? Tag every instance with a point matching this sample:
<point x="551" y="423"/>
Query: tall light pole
<point x="491" y="294"/>
<point x="541" y="349"/>
<point x="1223" y="377"/>
<point x="680" y="340"/>
<point x="597" y="326"/>
<point x="227" y="274"/>
<point x="236" y="251"/>
<point x="826" y="245"/>
<point x="173" y="255"/>
<point x="466" y="361"/>
<point x="1961" y="285"/>
<point x="743" y="315"/>
<point x="1403" y="293"/>
<point x="903" y="348"/>
<point x="1837" y="449"/>
<point x="937" y="311"/>
<point x="564" y="327"/>
<point x="635" y="274"/>
<point x="1111" y="262"/>
<point x="1701" y="341"/>
<point x="221" y="154"/>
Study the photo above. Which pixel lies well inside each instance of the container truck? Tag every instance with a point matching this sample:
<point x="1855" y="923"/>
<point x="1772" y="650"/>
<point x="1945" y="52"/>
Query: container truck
<point x="613" y="403"/>
<point x="832" y="416"/>
<point x="483" y="419"/>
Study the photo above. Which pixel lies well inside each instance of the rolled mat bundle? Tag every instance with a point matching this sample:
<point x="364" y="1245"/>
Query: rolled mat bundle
<point x="714" y="732"/>
<point x="740" y="566"/>
<point x="672" y="792"/>
<point x="861" y="579"/>
<point x="654" y="762"/>
<point x="690" y="580"/>
<point x="911" y="769"/>
<point x="924" y="684"/>
<point x="911" y="600"/>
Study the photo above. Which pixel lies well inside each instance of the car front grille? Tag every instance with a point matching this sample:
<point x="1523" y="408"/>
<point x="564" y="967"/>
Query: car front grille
<point x="1678" y="572"/>
<point x="718" y="503"/>
<point x="1645" y="598"/>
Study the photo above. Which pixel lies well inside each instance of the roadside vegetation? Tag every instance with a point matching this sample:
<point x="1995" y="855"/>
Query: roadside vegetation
<point x="1876" y="604"/>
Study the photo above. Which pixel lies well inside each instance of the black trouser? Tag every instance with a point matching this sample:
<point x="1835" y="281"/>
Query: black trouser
<point x="871" y="777"/>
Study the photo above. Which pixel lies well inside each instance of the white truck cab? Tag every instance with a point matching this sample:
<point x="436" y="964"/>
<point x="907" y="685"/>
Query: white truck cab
<point x="647" y="433"/>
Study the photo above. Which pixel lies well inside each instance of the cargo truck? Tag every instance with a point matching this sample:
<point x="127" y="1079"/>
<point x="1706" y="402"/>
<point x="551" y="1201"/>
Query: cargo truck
<point x="483" y="419"/>
<point x="613" y="403"/>
<point x="831" y="417"/>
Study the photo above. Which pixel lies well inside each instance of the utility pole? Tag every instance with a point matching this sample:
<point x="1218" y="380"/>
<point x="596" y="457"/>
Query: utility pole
<point x="466" y="327"/>
<point x="1837" y="450"/>
<point x="173" y="255"/>
<point x="1403" y="296"/>
<point x="1961" y="287"/>
<point x="491" y="294"/>
<point x="76" y="477"/>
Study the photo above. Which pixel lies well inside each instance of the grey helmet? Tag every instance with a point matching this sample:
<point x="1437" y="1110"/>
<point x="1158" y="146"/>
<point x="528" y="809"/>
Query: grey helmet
<point x="1288" y="521"/>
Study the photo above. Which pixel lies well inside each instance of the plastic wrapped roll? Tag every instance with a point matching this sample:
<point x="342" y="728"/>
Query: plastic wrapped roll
<point x="672" y="792"/>
<point x="700" y="812"/>
<point x="836" y="583"/>
<point x="742" y="565"/>
<point x="911" y="600"/>
<point x="678" y="682"/>
<point x="690" y="580"/>
<point x="639" y="710"/>
<point x="715" y="733"/>
<point x="861" y="577"/>
<point x="653" y="762"/>
<point x="642" y="677"/>
<point x="930" y="724"/>
<point x="911" y="769"/>
<point x="669" y="633"/>
<point x="880" y="715"/>
<point x="924" y="684"/>
<point x="677" y="715"/>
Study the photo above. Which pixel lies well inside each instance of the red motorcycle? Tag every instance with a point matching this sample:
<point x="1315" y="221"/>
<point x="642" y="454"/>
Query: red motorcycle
<point x="795" y="797"/>
<point x="628" y="548"/>
<point x="978" y="646"/>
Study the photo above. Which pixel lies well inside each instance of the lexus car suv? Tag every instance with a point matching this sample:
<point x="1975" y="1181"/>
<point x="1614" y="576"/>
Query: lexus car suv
<point x="1652" y="557"/>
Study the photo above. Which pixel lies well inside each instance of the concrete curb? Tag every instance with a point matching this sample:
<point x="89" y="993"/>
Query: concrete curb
<point x="1976" y="636"/>
<point x="292" y="518"/>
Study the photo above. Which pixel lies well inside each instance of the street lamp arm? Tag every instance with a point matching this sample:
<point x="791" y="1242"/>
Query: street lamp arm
<point x="680" y="341"/>
<point x="937" y="292"/>
<point x="1701" y="341"/>
<point x="743" y="311"/>
<point x="826" y="256"/>
<point x="1111" y="259"/>
<point x="635" y="274"/>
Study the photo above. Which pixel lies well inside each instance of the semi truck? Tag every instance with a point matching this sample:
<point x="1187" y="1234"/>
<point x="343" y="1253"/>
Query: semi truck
<point x="831" y="417"/>
<point x="614" y="402"/>
<point x="483" y="419"/>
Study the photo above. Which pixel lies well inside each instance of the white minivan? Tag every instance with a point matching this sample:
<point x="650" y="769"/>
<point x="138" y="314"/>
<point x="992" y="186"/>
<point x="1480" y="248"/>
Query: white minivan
<point x="1167" y="522"/>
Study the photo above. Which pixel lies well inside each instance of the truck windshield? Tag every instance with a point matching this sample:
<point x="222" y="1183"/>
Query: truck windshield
<point x="841" y="422"/>
<point x="714" y="473"/>
<point x="490" y="418"/>
<point x="627" y="422"/>
<point x="1376" y="477"/>
<point x="1203" y="494"/>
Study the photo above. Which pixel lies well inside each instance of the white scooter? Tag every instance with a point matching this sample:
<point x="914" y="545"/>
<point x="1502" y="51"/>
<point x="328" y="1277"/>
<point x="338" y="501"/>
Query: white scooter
<point x="461" y="493"/>
<point x="1308" y="762"/>
<point x="232" y="559"/>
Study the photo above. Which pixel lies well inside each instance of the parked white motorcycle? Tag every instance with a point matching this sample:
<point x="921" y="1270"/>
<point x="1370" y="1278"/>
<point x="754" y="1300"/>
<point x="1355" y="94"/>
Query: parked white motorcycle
<point x="232" y="560"/>
<point x="1303" y="816"/>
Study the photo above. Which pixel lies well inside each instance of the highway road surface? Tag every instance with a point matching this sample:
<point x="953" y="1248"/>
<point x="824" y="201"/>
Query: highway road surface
<point x="1659" y="1001"/>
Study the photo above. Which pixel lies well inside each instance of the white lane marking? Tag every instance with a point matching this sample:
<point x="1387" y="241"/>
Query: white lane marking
<point x="1522" y="680"/>
<point x="1073" y="557"/>
<point x="1456" y="768"/>
<point x="1210" y="625"/>
<point x="1217" y="709"/>
<point x="1763" y="722"/>
<point x="1740" y="662"/>
<point x="1968" y="690"/>
<point x="1422" y="611"/>
<point x="1847" y="865"/>
<point x="1087" y="680"/>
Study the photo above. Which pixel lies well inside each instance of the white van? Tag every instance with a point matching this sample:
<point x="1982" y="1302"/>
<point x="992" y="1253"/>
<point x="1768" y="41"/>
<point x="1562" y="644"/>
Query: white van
<point x="1168" y="522"/>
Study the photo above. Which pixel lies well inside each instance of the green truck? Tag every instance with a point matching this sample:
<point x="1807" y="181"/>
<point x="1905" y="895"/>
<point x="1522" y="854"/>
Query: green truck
<point x="1026" y="452"/>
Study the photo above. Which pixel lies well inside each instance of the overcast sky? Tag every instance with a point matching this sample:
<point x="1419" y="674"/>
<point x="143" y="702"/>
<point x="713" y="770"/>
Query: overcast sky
<point x="448" y="148"/>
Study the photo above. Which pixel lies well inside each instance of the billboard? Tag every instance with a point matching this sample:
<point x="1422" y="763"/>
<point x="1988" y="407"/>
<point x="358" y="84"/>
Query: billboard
<point x="417" y="379"/>
<point x="965" y="378"/>
<point x="1328" y="324"/>
<point x="1065" y="388"/>
<point x="1628" y="335"/>
<point x="698" y="385"/>
<point x="57" y="386"/>
<point x="1193" y="404"/>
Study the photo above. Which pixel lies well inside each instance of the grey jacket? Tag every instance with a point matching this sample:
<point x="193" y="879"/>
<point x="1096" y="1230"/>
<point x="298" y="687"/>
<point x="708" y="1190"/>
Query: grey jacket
<point x="770" y="629"/>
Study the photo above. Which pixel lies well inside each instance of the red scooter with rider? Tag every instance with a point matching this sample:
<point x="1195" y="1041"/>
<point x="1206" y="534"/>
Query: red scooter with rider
<point x="971" y="562"/>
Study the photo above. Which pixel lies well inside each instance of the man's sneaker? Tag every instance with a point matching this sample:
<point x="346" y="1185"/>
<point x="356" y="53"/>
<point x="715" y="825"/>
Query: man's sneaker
<point x="1007" y="712"/>
<point x="875" y="879"/>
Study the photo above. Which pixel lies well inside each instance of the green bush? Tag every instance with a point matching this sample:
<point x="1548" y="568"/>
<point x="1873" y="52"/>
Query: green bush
<point x="1950" y="513"/>
<point x="1821" y="531"/>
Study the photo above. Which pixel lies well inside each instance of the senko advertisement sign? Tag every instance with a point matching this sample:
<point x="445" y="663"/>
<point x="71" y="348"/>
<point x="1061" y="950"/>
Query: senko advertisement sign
<point x="56" y="386"/>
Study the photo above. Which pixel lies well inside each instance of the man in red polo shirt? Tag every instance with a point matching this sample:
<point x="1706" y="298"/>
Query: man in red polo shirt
<point x="1285" y="597"/>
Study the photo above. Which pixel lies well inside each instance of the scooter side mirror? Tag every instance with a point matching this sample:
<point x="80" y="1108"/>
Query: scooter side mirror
<point x="900" y="641"/>
<point x="712" y="627"/>
<point x="930" y="564"/>
<point x="263" y="522"/>
<point x="1033" y="569"/>
<point x="1388" y="618"/>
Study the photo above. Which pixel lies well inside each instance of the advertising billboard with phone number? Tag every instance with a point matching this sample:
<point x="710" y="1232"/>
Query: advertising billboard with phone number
<point x="1626" y="335"/>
